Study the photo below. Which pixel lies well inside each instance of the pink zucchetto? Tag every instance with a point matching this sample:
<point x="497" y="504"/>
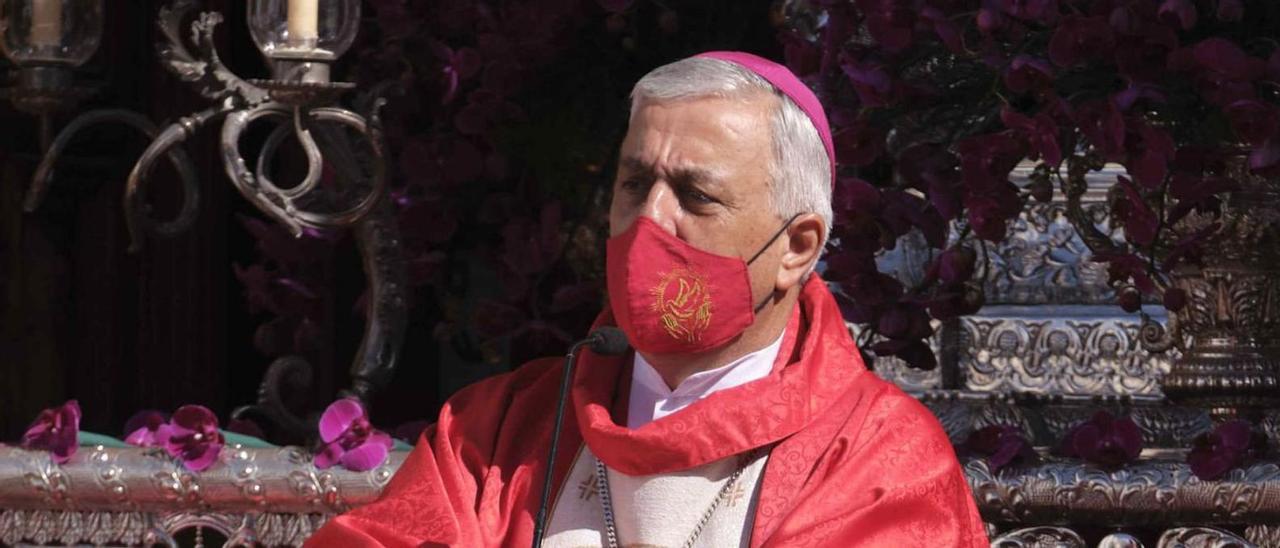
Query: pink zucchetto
<point x="782" y="78"/>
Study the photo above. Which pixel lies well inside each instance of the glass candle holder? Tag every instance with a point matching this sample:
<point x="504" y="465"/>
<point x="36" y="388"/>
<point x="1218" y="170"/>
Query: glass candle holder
<point x="298" y="30"/>
<point x="50" y="32"/>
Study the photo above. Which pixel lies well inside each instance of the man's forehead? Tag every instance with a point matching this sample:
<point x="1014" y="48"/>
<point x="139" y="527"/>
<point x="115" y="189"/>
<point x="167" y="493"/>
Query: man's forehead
<point x="707" y="134"/>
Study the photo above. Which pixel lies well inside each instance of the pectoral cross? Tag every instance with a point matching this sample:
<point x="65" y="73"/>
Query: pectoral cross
<point x="739" y="492"/>
<point x="587" y="488"/>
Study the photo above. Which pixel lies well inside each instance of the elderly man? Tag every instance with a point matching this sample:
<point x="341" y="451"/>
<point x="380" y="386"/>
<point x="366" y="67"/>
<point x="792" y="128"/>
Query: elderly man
<point x="745" y="416"/>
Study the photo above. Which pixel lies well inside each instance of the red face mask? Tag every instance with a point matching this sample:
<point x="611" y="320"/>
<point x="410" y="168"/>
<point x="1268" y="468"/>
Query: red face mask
<point x="672" y="298"/>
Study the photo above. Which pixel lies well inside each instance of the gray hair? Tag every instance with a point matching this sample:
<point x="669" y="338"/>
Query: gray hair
<point x="800" y="173"/>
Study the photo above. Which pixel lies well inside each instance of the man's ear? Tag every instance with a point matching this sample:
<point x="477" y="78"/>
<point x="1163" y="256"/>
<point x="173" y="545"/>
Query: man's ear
<point x="804" y="239"/>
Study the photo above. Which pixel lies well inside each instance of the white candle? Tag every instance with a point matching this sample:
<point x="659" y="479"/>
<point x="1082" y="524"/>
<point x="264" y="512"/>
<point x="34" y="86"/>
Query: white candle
<point x="302" y="22"/>
<point x="46" y="23"/>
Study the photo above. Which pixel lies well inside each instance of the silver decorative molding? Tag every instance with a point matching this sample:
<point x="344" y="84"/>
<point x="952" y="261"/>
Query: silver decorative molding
<point x="1203" y="537"/>
<point x="1038" y="537"/>
<point x="281" y="480"/>
<point x="1057" y="350"/>
<point x="277" y="497"/>
<point x="108" y="528"/>
<point x="1158" y="490"/>
<point x="1074" y="349"/>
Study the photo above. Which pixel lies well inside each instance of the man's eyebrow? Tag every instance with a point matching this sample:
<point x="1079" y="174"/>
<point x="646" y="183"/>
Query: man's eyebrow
<point x="680" y="176"/>
<point x="637" y="166"/>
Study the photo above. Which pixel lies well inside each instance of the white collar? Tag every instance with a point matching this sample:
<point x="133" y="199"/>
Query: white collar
<point x="651" y="399"/>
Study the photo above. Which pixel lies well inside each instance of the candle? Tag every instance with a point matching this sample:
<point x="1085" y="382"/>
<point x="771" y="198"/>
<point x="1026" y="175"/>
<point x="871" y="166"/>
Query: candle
<point x="46" y="23"/>
<point x="302" y="22"/>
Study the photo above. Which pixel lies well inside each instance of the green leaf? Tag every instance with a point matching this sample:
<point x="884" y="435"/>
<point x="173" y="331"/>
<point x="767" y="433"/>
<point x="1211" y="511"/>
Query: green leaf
<point x="246" y="441"/>
<point x="90" y="439"/>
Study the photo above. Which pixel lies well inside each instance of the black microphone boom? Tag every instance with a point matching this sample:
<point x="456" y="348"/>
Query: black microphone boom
<point x="605" y="341"/>
<point x="608" y="341"/>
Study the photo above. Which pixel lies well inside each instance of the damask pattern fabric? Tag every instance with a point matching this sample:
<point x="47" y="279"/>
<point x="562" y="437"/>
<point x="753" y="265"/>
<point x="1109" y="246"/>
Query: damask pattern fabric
<point x="853" y="461"/>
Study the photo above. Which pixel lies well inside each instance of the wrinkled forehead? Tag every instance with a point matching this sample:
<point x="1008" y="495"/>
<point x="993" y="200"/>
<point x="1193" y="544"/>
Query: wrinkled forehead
<point x="710" y="135"/>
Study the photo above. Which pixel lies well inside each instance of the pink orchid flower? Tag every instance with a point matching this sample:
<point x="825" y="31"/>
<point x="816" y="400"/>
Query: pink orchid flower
<point x="192" y="436"/>
<point x="55" y="430"/>
<point x="349" y="439"/>
<point x="142" y="427"/>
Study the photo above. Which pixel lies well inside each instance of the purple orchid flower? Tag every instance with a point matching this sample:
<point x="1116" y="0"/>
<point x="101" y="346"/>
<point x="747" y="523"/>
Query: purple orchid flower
<point x="946" y="30"/>
<point x="1180" y="13"/>
<point x="142" y="428"/>
<point x="192" y="436"/>
<point x="1027" y="73"/>
<point x="989" y="211"/>
<point x="1079" y="38"/>
<point x="1265" y="160"/>
<point x="1125" y="99"/>
<point x="1104" y="440"/>
<point x="874" y="86"/>
<point x="1149" y="155"/>
<point x="1123" y="267"/>
<point x="615" y="6"/>
<point x="459" y="65"/>
<point x="1142" y="56"/>
<point x="802" y="56"/>
<point x="1230" y="11"/>
<point x="953" y="266"/>
<point x="859" y="144"/>
<point x="905" y="321"/>
<point x="1223" y="72"/>
<point x="349" y="439"/>
<point x="1002" y="445"/>
<point x="889" y="22"/>
<point x="1228" y="446"/>
<point x="55" y="430"/>
<point x="1140" y="221"/>
<point x="1041" y="133"/>
<point x="933" y="170"/>
<point x="1103" y="126"/>
<point x="986" y="160"/>
<point x="1254" y="121"/>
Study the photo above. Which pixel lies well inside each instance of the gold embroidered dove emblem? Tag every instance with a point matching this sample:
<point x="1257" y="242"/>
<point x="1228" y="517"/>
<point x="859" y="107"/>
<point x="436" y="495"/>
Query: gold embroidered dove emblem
<point x="684" y="304"/>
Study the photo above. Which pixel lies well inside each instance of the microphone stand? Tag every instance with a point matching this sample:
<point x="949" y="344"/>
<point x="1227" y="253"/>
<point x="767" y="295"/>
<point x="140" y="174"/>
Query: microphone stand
<point x="565" y="380"/>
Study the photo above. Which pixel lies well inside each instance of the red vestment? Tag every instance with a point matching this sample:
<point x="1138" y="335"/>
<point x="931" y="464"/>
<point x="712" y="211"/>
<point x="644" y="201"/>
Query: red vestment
<point x="853" y="462"/>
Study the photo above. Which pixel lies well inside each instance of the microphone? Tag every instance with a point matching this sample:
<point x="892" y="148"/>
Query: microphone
<point x="605" y="341"/>
<point x="608" y="341"/>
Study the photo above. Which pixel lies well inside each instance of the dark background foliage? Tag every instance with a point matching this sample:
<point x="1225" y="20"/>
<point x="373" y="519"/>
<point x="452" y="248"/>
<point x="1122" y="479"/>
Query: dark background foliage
<point x="502" y="143"/>
<point x="933" y="103"/>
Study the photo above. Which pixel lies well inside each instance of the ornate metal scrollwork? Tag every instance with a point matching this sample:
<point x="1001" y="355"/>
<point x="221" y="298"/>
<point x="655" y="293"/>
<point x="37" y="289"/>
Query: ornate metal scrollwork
<point x="1120" y="540"/>
<point x="1232" y="365"/>
<point x="104" y="527"/>
<point x="1066" y="351"/>
<point x="43" y="176"/>
<point x="1202" y="537"/>
<point x="1039" y="537"/>
<point x="356" y="199"/>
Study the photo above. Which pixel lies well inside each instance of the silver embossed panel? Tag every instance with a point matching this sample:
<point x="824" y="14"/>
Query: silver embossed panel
<point x="1057" y="350"/>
